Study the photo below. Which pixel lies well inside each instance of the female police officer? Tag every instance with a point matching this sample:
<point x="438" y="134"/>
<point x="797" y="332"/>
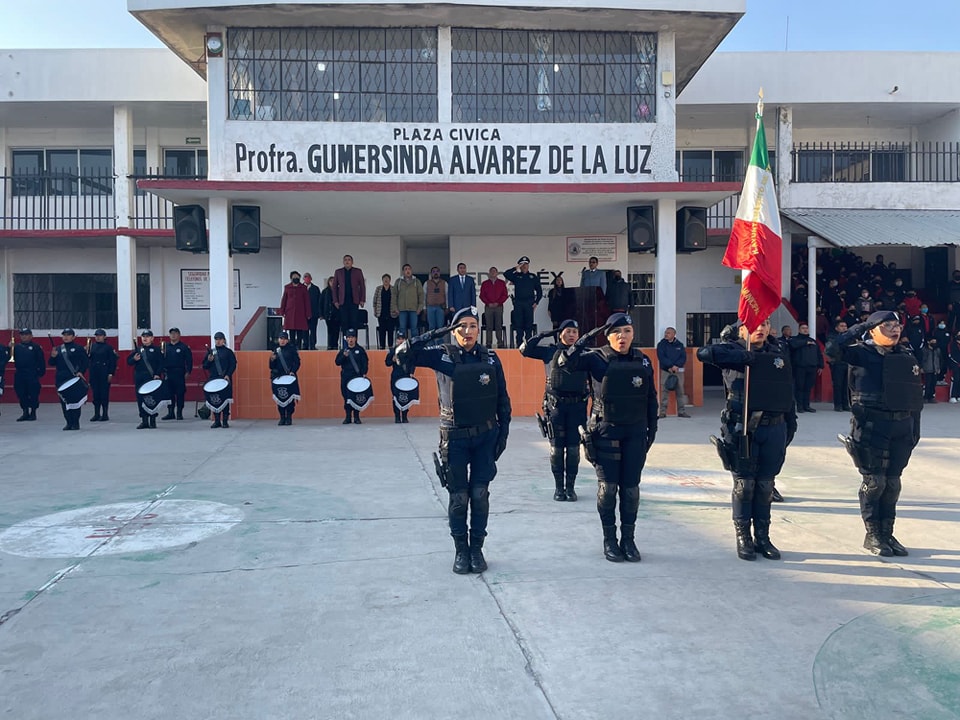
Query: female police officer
<point x="474" y="424"/>
<point x="621" y="430"/>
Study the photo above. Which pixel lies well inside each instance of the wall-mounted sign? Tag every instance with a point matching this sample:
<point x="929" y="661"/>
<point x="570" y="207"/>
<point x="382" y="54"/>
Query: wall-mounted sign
<point x="194" y="141"/>
<point x="581" y="248"/>
<point x="195" y="289"/>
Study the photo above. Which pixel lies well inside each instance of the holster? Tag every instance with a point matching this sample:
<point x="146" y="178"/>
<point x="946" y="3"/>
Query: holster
<point x="544" y="424"/>
<point x="443" y="470"/>
<point x="589" y="449"/>
<point x="727" y="457"/>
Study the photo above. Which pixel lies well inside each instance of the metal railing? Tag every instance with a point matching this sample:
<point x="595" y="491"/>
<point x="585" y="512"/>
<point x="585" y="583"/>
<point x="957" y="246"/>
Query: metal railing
<point x="151" y="211"/>
<point x="862" y="162"/>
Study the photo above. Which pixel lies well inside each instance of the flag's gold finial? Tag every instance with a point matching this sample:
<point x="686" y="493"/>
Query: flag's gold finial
<point x="760" y="103"/>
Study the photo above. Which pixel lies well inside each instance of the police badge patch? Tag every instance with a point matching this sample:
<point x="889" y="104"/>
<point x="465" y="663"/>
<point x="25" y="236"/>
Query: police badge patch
<point x="637" y="381"/>
<point x="484" y="379"/>
<point x="916" y="369"/>
<point x="778" y="363"/>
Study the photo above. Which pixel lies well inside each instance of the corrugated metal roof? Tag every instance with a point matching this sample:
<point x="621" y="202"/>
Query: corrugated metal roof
<point x="862" y="228"/>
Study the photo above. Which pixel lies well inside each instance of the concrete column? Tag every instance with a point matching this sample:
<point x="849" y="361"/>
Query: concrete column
<point x="665" y="312"/>
<point x="812" y="245"/>
<point x="784" y="154"/>
<point x="123" y="165"/>
<point x="154" y="157"/>
<point x="158" y="290"/>
<point x="667" y="95"/>
<point x="6" y="166"/>
<point x="221" y="271"/>
<point x="217" y="112"/>
<point x="6" y="291"/>
<point x="126" y="291"/>
<point x="445" y="75"/>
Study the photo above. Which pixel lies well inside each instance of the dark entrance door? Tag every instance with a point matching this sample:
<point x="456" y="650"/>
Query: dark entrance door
<point x="936" y="277"/>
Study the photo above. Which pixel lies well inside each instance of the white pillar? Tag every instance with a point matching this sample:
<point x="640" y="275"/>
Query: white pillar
<point x="158" y="290"/>
<point x="126" y="291"/>
<point x="812" y="244"/>
<point x="217" y="111"/>
<point x="666" y="269"/>
<point x="123" y="165"/>
<point x="6" y="291"/>
<point x="666" y="94"/>
<point x="445" y="76"/>
<point x="784" y="154"/>
<point x="221" y="271"/>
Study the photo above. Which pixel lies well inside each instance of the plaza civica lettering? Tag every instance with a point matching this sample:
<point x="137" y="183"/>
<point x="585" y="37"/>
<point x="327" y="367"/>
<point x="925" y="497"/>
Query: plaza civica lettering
<point x="439" y="152"/>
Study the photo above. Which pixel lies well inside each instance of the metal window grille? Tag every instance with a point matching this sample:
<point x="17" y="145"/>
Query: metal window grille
<point x="859" y="162"/>
<point x="81" y="300"/>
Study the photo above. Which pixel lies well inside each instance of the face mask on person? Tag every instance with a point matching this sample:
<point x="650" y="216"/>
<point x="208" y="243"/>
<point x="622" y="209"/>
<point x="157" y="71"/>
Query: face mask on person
<point x="923" y="310"/>
<point x="295" y="281"/>
<point x="899" y="283"/>
<point x="941" y="326"/>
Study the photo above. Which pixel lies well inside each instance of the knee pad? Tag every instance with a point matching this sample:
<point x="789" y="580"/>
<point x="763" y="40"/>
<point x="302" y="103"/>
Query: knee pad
<point x="606" y="495"/>
<point x="630" y="498"/>
<point x="872" y="487"/>
<point x="458" y="503"/>
<point x="763" y="490"/>
<point x="743" y="487"/>
<point x="480" y="498"/>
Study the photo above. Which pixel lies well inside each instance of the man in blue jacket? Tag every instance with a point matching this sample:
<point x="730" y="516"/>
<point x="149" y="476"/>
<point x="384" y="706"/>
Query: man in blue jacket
<point x="461" y="290"/>
<point x="672" y="356"/>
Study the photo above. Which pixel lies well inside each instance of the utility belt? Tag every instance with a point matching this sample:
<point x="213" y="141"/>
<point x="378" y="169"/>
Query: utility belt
<point x="559" y="399"/>
<point x="461" y="433"/>
<point x="771" y="419"/>
<point x="862" y="413"/>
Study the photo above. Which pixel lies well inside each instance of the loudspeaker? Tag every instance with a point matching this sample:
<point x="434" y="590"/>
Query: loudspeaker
<point x="190" y="228"/>
<point x="641" y="228"/>
<point x="245" y="229"/>
<point x="691" y="229"/>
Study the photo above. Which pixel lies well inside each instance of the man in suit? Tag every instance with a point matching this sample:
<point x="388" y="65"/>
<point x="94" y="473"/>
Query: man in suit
<point x="461" y="290"/>
<point x="349" y="293"/>
<point x="314" y="311"/>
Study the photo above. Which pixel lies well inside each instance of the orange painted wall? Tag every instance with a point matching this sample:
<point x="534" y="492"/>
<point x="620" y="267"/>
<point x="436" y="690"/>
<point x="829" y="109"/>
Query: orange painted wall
<point x="320" y="385"/>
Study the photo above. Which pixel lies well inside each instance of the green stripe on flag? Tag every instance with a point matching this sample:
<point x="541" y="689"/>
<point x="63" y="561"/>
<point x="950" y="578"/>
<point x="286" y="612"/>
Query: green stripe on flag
<point x="760" y="157"/>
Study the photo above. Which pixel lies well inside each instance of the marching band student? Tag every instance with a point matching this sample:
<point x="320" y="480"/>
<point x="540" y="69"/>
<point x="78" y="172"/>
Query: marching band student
<point x="220" y="362"/>
<point x="147" y="362"/>
<point x="353" y="363"/>
<point x="401" y="399"/>
<point x="284" y="363"/>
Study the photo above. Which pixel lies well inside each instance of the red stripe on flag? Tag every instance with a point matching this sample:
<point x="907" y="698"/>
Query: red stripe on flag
<point x="755" y="247"/>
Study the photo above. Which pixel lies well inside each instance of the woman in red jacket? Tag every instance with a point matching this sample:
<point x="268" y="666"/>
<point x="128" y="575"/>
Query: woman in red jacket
<point x="295" y="308"/>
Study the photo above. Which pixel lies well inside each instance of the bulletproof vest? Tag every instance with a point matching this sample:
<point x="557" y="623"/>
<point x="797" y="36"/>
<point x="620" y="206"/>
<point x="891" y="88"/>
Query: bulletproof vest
<point x="902" y="386"/>
<point x="474" y="389"/>
<point x="624" y="389"/>
<point x="564" y="381"/>
<point x="771" y="383"/>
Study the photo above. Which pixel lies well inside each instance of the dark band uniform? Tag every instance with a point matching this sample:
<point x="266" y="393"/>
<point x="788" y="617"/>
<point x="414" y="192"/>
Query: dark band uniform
<point x="220" y="362"/>
<point x="69" y="353"/>
<point x="474" y="424"/>
<point x="29" y="367"/>
<point x="886" y="400"/>
<point x="103" y="364"/>
<point x="754" y="459"/>
<point x="288" y="365"/>
<point x="527" y="292"/>
<point x="397" y="372"/>
<point x="564" y="407"/>
<point x="4" y="358"/>
<point x="177" y="364"/>
<point x="354" y="364"/>
<point x="147" y="368"/>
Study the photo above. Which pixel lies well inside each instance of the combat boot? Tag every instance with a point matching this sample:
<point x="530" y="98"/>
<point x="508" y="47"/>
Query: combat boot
<point x="25" y="415"/>
<point x="887" y="534"/>
<point x="216" y="421"/>
<point x="560" y="494"/>
<point x="477" y="562"/>
<point x="875" y="543"/>
<point x="153" y="422"/>
<point x="144" y="425"/>
<point x="745" y="547"/>
<point x="169" y="415"/>
<point x="627" y="546"/>
<point x="611" y="548"/>
<point x="762" y="544"/>
<point x="571" y="493"/>
<point x="461" y="561"/>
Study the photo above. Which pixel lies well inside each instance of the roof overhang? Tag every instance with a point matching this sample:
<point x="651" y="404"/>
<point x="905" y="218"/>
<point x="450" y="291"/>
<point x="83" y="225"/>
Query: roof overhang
<point x="441" y="209"/>
<point x="852" y="228"/>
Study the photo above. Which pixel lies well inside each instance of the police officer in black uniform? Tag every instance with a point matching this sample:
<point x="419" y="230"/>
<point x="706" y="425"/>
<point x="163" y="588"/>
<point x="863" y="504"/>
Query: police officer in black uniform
<point x="221" y="362"/>
<point x="564" y="405"/>
<point x="70" y="361"/>
<point x="103" y="366"/>
<point x="285" y="361"/>
<point x="29" y="367"/>
<point x="474" y="424"/>
<point x="353" y="363"/>
<point x="526" y="294"/>
<point x="766" y="404"/>
<point x="147" y="362"/>
<point x="4" y="358"/>
<point x="177" y="366"/>
<point x="621" y="429"/>
<point x="886" y="400"/>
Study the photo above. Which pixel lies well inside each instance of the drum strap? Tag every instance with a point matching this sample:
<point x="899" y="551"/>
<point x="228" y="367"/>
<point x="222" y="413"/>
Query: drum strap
<point x="146" y="361"/>
<point x="216" y="361"/>
<point x="67" y="361"/>
<point x="353" y="362"/>
<point x="283" y="361"/>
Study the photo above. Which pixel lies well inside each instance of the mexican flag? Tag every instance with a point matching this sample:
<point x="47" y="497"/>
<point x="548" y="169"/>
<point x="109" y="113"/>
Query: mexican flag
<point x="755" y="243"/>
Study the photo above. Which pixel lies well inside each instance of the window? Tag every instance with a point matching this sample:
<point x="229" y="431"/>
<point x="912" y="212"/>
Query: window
<point x="553" y="77"/>
<point x="81" y="300"/>
<point x="63" y="172"/>
<point x="333" y="74"/>
<point x="710" y="165"/>
<point x="642" y="301"/>
<point x="185" y="163"/>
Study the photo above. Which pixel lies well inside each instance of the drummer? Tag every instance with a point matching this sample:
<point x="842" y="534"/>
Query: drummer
<point x="285" y="361"/>
<point x="397" y="372"/>
<point x="71" y="362"/>
<point x="147" y="362"/>
<point x="353" y="363"/>
<point x="220" y="362"/>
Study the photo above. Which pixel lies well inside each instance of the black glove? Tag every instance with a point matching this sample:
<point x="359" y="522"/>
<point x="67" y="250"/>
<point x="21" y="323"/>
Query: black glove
<point x="651" y="436"/>
<point x="585" y="339"/>
<point x="501" y="441"/>
<point x="751" y="357"/>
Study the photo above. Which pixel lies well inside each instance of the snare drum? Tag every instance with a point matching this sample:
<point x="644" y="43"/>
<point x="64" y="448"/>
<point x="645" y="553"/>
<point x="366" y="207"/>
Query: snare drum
<point x="406" y="393"/>
<point x="152" y="397"/>
<point x="217" y="394"/>
<point x="359" y="393"/>
<point x="73" y="393"/>
<point x="286" y="390"/>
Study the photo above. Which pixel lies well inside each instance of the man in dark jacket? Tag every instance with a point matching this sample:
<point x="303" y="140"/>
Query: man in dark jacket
<point x="29" y="368"/>
<point x="349" y="293"/>
<point x="330" y="314"/>
<point x="526" y="294"/>
<point x="838" y="373"/>
<point x="807" y="362"/>
<point x="672" y="356"/>
<point x="618" y="293"/>
<point x="70" y="362"/>
<point x="314" y="292"/>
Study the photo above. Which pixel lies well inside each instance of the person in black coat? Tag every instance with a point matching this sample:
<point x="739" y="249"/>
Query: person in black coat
<point x="70" y="362"/>
<point x="177" y="366"/>
<point x="807" y="361"/>
<point x="103" y="366"/>
<point x="147" y="362"/>
<point x="561" y="302"/>
<point x="29" y="367"/>
<point x="838" y="373"/>
<point x="285" y="361"/>
<point x="353" y="363"/>
<point x="330" y="314"/>
<point x="314" y="311"/>
<point x="221" y="362"/>
<point x="398" y="372"/>
<point x="527" y="294"/>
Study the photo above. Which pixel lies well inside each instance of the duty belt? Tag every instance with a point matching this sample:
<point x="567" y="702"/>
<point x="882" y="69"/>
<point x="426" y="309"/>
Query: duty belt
<point x="771" y="419"/>
<point x="566" y="399"/>
<point x="459" y="433"/>
<point x="872" y="414"/>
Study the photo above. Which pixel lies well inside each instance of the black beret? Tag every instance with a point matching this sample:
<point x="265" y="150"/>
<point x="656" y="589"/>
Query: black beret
<point x="618" y="320"/>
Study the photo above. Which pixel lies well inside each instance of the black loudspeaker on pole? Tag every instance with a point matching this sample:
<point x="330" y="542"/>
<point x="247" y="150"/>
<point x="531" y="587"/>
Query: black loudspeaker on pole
<point x="190" y="228"/>
<point x="691" y="229"/>
<point x="641" y="228"/>
<point x="245" y="229"/>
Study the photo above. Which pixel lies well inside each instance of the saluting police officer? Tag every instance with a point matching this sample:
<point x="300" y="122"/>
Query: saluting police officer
<point x="886" y="398"/>
<point x="70" y="361"/>
<point x="29" y="367"/>
<point x="756" y="456"/>
<point x="564" y="405"/>
<point x="103" y="366"/>
<point x="221" y="362"/>
<point x="474" y="424"/>
<point x="147" y="362"/>
<point x="285" y="361"/>
<point x="353" y="363"/>
<point x="621" y="429"/>
<point x="527" y="293"/>
<point x="177" y="366"/>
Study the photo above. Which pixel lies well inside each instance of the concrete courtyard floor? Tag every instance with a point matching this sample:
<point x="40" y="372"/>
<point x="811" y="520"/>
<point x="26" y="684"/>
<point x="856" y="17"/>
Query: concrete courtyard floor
<point x="304" y="572"/>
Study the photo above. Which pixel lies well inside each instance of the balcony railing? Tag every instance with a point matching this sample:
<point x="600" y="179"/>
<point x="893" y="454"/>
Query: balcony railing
<point x="876" y="162"/>
<point x="151" y="211"/>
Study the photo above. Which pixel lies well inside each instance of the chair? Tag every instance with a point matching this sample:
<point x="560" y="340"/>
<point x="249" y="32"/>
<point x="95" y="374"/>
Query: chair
<point x="364" y="317"/>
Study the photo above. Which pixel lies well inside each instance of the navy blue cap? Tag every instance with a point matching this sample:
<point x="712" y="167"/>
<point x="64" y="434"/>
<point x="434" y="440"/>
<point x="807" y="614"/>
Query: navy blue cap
<point x="568" y="324"/>
<point x="618" y="320"/>
<point x="284" y="335"/>
<point x="68" y="331"/>
<point x="174" y="330"/>
<point x="523" y="259"/>
<point x="465" y="313"/>
<point x="350" y="332"/>
<point x="219" y="336"/>
<point x="147" y="333"/>
<point x="401" y="334"/>
<point x="26" y="331"/>
<point x="882" y="316"/>
<point x="100" y="331"/>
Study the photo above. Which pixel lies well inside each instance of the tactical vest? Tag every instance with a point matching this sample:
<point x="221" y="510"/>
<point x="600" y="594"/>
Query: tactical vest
<point x="563" y="381"/>
<point x="902" y="386"/>
<point x="624" y="389"/>
<point x="474" y="389"/>
<point x="771" y="383"/>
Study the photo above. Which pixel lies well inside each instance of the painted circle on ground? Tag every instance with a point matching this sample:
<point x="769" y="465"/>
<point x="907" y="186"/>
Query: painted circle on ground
<point x="899" y="662"/>
<point x="119" y="528"/>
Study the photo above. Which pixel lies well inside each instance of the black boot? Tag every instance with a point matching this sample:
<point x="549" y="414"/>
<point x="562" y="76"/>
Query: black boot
<point x="169" y="415"/>
<point x="886" y="527"/>
<point x="356" y="417"/>
<point x="461" y="561"/>
<point x="776" y="496"/>
<point x="627" y="545"/>
<point x="745" y="547"/>
<point x="560" y="494"/>
<point x="96" y="414"/>
<point x="104" y="417"/>
<point x="226" y="419"/>
<point x="153" y="422"/>
<point x="875" y="543"/>
<point x="33" y="414"/>
<point x="403" y="416"/>
<point x="477" y="562"/>
<point x="282" y="420"/>
<point x="761" y="531"/>
<point x="25" y="415"/>
<point x="611" y="548"/>
<point x="349" y="417"/>
<point x="396" y="416"/>
<point x="179" y="413"/>
<point x="571" y="481"/>
<point x="216" y="421"/>
<point x="144" y="424"/>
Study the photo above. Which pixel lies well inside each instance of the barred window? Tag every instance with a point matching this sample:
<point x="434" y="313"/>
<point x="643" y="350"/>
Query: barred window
<point x="333" y="74"/>
<point x="63" y="172"/>
<point x="532" y="76"/>
<point x="81" y="300"/>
